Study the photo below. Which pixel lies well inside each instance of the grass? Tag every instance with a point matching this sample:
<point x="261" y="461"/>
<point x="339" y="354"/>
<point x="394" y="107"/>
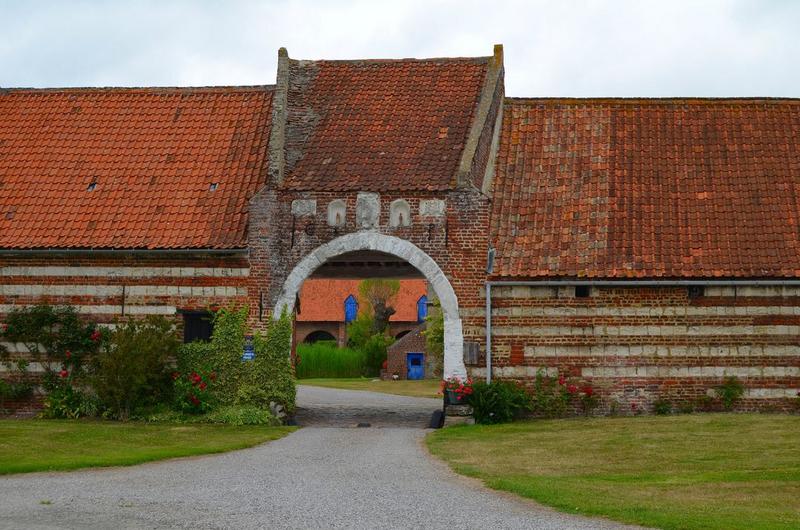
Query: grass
<point x="428" y="388"/>
<point x="325" y="359"/>
<point x="731" y="471"/>
<point x="51" y="445"/>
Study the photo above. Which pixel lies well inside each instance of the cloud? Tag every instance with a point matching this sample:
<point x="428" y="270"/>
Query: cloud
<point x="559" y="48"/>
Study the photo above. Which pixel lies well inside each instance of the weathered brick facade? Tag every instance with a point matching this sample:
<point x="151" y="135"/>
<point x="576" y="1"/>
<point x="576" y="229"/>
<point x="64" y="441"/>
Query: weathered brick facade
<point x="429" y="157"/>
<point x="637" y="345"/>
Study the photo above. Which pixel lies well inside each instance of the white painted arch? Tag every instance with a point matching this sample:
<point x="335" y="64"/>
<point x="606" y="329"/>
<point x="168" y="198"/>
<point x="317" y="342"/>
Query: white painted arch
<point x="453" y="333"/>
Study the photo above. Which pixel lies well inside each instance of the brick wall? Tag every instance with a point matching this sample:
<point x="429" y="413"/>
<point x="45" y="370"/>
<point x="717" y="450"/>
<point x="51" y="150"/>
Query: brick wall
<point x="106" y="287"/>
<point x="396" y="354"/>
<point x="636" y="345"/>
<point x="457" y="240"/>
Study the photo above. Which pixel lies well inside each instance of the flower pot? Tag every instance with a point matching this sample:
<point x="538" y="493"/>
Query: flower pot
<point x="451" y="397"/>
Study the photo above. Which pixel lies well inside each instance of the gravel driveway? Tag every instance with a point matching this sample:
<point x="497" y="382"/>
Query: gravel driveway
<point x="317" y="477"/>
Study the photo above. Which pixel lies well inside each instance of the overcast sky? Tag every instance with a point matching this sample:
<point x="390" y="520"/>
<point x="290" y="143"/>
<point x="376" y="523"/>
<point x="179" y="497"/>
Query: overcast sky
<point x="555" y="48"/>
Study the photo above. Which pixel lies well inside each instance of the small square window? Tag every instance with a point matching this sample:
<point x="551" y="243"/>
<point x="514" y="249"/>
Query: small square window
<point x="582" y="291"/>
<point x="197" y="325"/>
<point x="696" y="291"/>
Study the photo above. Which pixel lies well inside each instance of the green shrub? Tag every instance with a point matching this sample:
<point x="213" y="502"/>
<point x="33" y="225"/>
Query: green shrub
<point x="132" y="368"/>
<point x="325" y="359"/>
<point x="498" y="401"/>
<point x="54" y="334"/>
<point x="62" y="342"/>
<point x="375" y="350"/>
<point x="194" y="357"/>
<point x="269" y="379"/>
<point x="730" y="392"/>
<point x="242" y="415"/>
<point x="194" y="391"/>
<point x="66" y="401"/>
<point x="550" y="397"/>
<point x="662" y="407"/>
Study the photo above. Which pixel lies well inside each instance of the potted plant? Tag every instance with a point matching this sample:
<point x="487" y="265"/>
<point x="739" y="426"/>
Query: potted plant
<point x="456" y="391"/>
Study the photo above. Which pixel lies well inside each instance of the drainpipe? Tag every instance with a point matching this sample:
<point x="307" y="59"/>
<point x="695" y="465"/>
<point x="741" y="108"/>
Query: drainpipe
<point x="488" y="332"/>
<point x="611" y="283"/>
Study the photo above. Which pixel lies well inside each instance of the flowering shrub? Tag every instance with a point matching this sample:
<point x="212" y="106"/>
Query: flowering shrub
<point x="498" y="401"/>
<point x="551" y="397"/>
<point x="193" y="391"/>
<point x="458" y="389"/>
<point x="58" y="339"/>
<point x="589" y="399"/>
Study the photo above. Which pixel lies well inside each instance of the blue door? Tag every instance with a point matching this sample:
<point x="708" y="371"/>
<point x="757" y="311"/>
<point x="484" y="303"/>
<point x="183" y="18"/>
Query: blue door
<point x="416" y="370"/>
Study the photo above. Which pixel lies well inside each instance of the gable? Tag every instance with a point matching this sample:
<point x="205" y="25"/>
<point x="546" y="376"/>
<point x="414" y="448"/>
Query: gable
<point x="379" y="125"/>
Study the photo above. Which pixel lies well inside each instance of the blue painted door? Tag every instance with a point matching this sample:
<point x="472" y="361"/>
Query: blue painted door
<point x="416" y="370"/>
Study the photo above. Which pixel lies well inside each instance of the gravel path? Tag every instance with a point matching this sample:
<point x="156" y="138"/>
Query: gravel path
<point x="317" y="477"/>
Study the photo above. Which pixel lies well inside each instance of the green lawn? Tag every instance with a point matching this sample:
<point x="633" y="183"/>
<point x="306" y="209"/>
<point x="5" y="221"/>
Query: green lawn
<point x="693" y="471"/>
<point x="49" y="445"/>
<point x="422" y="388"/>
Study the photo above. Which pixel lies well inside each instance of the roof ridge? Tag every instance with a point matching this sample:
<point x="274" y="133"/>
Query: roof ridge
<point x="143" y="89"/>
<point x="654" y="100"/>
<point x="478" y="60"/>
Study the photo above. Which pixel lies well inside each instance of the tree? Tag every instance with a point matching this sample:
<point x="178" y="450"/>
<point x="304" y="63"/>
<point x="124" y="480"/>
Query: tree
<point x="434" y="336"/>
<point x="379" y="296"/>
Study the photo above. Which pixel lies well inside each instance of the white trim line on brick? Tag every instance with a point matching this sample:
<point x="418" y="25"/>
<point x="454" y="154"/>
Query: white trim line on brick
<point x="453" y="333"/>
<point x="110" y="309"/>
<point x="127" y="272"/>
<point x="690" y="371"/>
<point x="650" y="350"/>
<point x="643" y="331"/>
<point x="116" y="290"/>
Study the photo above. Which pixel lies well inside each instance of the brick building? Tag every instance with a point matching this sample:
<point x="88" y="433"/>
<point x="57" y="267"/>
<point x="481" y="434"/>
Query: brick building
<point x="648" y="246"/>
<point x="326" y="306"/>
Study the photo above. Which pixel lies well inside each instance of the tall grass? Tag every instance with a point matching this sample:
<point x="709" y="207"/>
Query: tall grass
<point x="325" y="359"/>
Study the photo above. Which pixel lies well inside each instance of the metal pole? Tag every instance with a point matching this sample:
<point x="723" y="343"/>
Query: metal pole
<point x="488" y="332"/>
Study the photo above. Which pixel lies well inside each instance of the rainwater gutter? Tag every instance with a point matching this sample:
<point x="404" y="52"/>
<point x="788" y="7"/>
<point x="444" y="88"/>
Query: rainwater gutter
<point x="610" y="283"/>
<point x="119" y="251"/>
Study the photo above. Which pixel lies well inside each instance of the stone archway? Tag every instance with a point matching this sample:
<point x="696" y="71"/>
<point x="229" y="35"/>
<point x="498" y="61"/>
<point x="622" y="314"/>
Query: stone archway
<point x="453" y="333"/>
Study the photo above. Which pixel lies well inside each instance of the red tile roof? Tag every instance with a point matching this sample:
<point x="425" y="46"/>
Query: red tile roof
<point x="675" y="188"/>
<point x="381" y="124"/>
<point x="322" y="300"/>
<point x="152" y="154"/>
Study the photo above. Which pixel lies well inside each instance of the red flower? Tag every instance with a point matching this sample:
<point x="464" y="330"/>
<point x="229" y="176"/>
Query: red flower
<point x="588" y="390"/>
<point x="95" y="336"/>
<point x="175" y="375"/>
<point x="63" y="374"/>
<point x="194" y="400"/>
<point x="202" y="386"/>
<point x="572" y="389"/>
<point x="562" y="380"/>
<point x="67" y="354"/>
